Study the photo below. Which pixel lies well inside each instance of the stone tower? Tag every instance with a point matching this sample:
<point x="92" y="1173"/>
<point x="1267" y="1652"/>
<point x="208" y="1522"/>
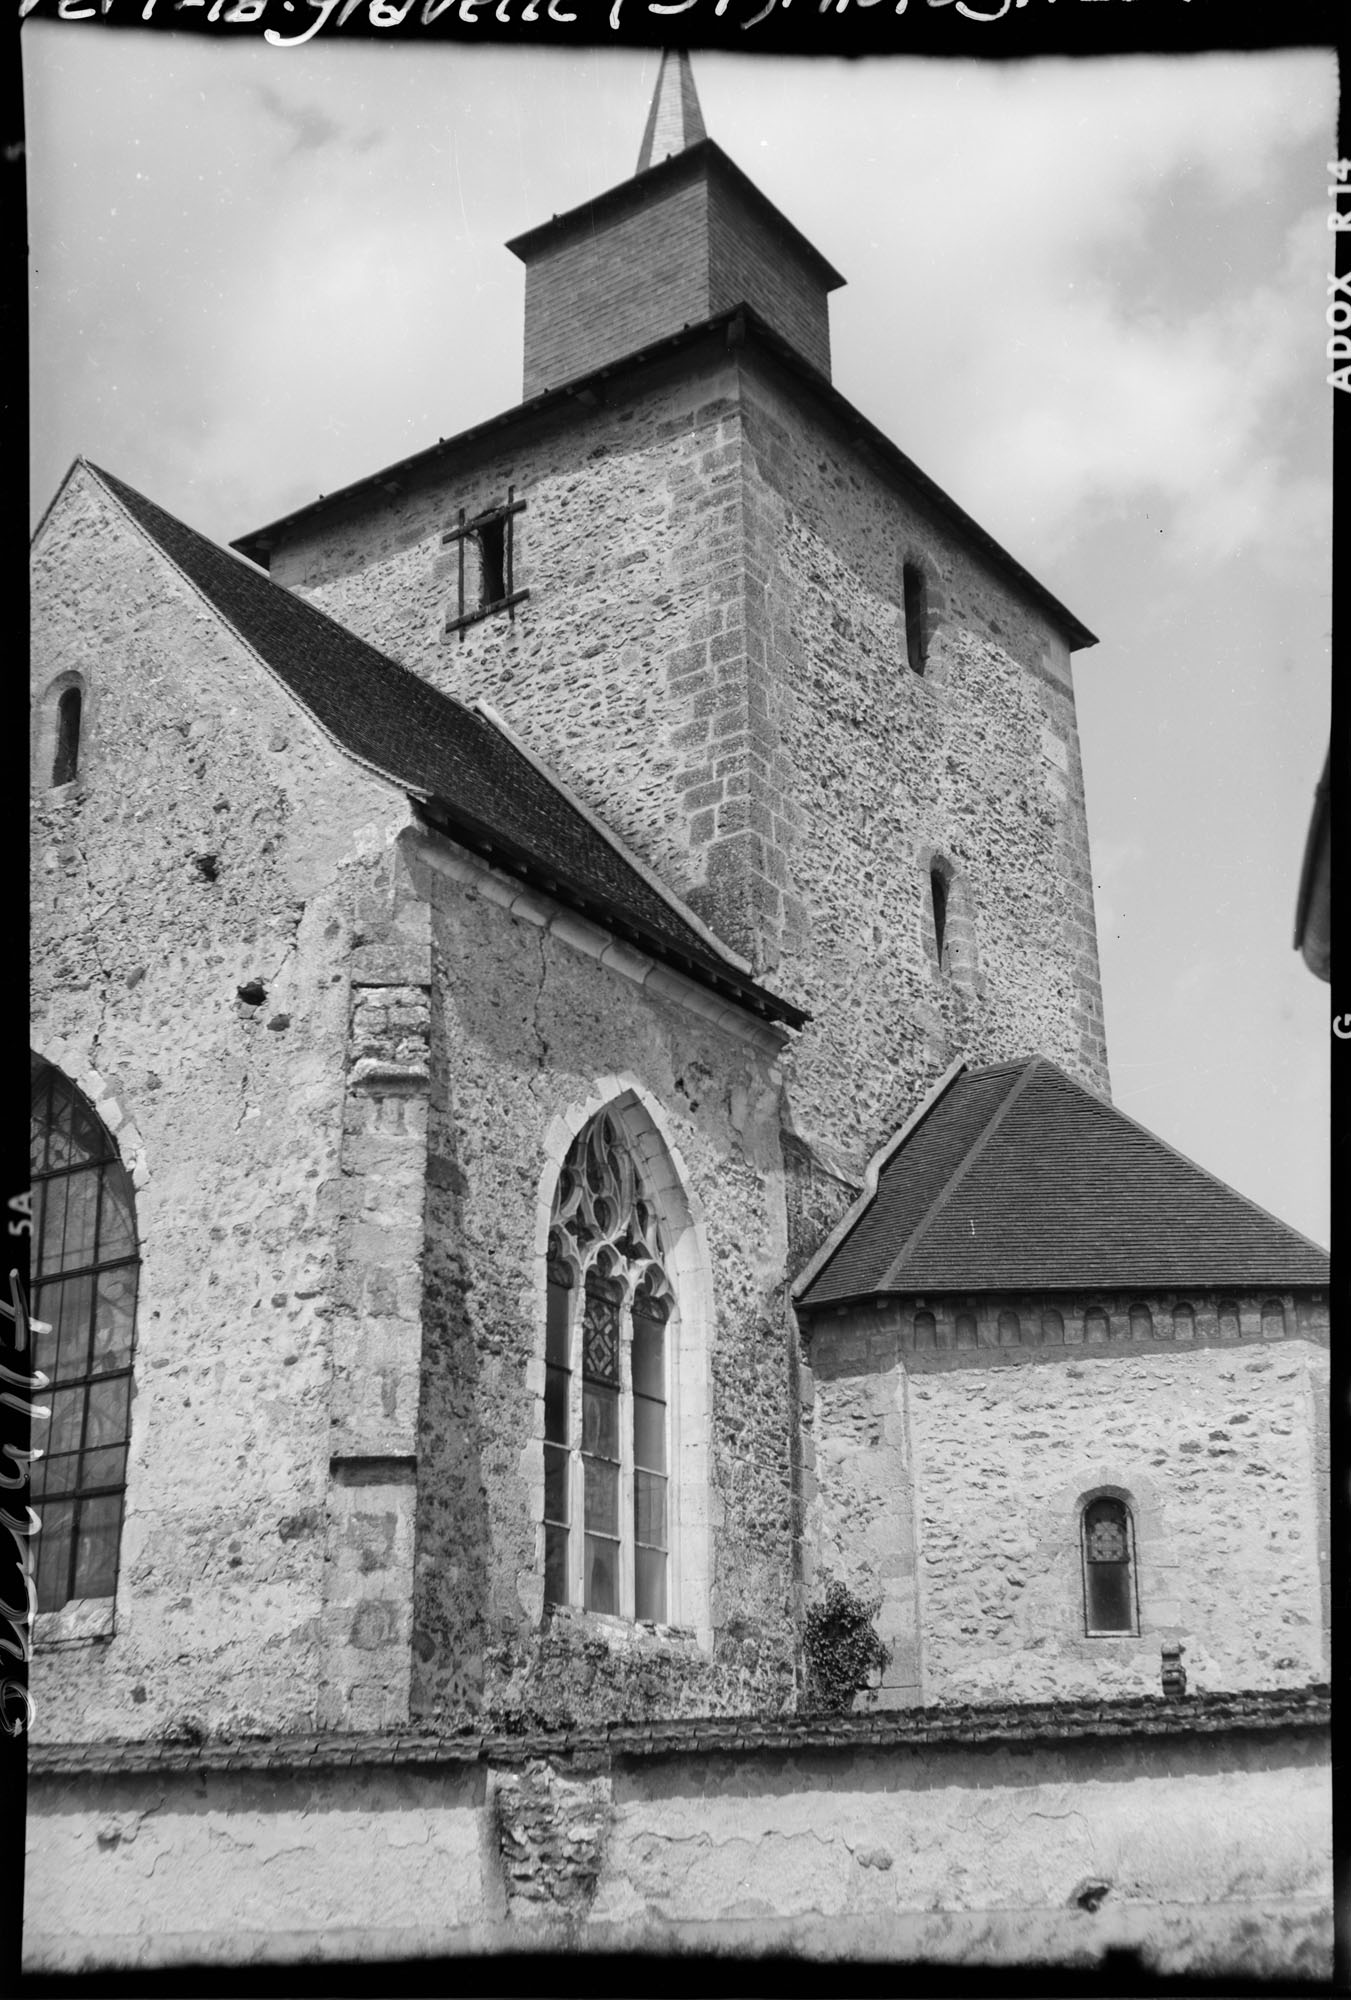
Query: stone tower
<point x="801" y="682"/>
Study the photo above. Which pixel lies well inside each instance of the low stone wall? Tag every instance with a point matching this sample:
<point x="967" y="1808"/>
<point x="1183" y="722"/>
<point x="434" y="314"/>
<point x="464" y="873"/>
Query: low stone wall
<point x="1196" y="1835"/>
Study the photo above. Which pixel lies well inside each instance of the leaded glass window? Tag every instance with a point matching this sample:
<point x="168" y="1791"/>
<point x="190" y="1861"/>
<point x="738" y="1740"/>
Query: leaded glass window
<point x="606" y="1387"/>
<point x="85" y="1269"/>
<point x="1109" y="1567"/>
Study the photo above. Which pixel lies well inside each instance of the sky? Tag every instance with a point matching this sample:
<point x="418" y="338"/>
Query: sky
<point x="1086" y="296"/>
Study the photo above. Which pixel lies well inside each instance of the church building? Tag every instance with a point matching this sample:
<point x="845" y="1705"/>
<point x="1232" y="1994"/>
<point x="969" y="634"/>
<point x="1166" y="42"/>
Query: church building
<point x="616" y="1379"/>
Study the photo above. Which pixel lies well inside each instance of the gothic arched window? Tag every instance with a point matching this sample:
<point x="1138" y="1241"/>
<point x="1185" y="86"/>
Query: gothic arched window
<point x="85" y="1268"/>
<point x="609" y="1359"/>
<point x="1109" y="1567"/>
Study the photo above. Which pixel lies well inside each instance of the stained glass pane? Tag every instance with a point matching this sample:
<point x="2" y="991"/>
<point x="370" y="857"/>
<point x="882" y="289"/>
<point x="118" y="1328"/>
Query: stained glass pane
<point x="600" y="1421"/>
<point x="1109" y="1597"/>
<point x="649" y="1434"/>
<point x="114" y="1318"/>
<point x="37" y="1144"/>
<point x="556" y="1463"/>
<point x="70" y="1310"/>
<point x="556" y="1384"/>
<point x="53" y="1555"/>
<point x="649" y="1358"/>
<point x="602" y="1497"/>
<point x="556" y="1344"/>
<point x="649" y="1585"/>
<point x="46" y="1310"/>
<point x="105" y="1467"/>
<point x="87" y="1141"/>
<point x="96" y="1546"/>
<point x="67" y="1407"/>
<point x="56" y="1475"/>
<point x="600" y="1333"/>
<point x="117" y="1229"/>
<point x="58" y="1143"/>
<point x="108" y="1402"/>
<point x="601" y="1563"/>
<point x="555" y="1565"/>
<point x="1107" y="1542"/>
<point x="49" y="1226"/>
<point x="82" y="1193"/>
<point x="649" y="1509"/>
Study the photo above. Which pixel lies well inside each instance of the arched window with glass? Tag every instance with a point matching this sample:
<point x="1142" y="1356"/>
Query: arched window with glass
<point x="1108" y="1535"/>
<point x="84" y="1272"/>
<point x="609" y="1357"/>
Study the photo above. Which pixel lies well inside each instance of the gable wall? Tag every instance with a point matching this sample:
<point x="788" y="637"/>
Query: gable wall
<point x="188" y="748"/>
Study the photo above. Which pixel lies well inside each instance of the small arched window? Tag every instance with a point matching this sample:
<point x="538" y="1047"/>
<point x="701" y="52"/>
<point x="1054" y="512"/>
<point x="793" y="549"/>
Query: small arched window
<point x="1184" y="1321"/>
<point x="966" y="1335"/>
<point x="85" y="1269"/>
<point x="1009" y="1329"/>
<point x="609" y="1356"/>
<point x="66" y="762"/>
<point x="1053" y="1327"/>
<point x="926" y="1330"/>
<point x="1109" y="1568"/>
<point x="1142" y="1322"/>
<point x="1228" y="1319"/>
<point x="1095" y="1324"/>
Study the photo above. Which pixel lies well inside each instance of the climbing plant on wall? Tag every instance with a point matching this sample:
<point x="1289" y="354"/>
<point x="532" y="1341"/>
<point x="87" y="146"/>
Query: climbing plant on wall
<point x="841" y="1649"/>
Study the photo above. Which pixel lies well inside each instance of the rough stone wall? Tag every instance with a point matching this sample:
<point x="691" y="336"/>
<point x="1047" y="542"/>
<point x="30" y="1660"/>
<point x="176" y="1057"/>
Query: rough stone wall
<point x="1214" y="1446"/>
<point x="871" y="773"/>
<point x="229" y="1115"/>
<point x="526" y="1030"/>
<point x="713" y="653"/>
<point x="1205" y="1855"/>
<point x="627" y="645"/>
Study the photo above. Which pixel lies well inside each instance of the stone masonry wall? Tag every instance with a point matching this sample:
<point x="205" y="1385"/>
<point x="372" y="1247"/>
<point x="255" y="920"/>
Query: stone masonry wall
<point x="229" y="1115"/>
<point x="1213" y="1443"/>
<point x="530" y="1035"/>
<point x="1205" y="1855"/>
<point x="870" y="773"/>
<point x="713" y="653"/>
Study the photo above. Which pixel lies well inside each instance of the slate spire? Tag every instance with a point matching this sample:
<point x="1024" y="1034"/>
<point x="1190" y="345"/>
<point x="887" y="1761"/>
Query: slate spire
<point x="674" y="120"/>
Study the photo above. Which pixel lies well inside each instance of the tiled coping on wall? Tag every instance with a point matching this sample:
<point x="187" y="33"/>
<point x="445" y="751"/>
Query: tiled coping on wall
<point x="1305" y="1708"/>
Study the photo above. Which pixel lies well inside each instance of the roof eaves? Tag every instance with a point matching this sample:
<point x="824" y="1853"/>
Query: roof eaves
<point x="446" y="817"/>
<point x="683" y="165"/>
<point x="853" y="420"/>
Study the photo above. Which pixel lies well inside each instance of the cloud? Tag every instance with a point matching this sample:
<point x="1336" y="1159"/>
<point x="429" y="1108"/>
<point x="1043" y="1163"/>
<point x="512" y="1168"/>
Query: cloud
<point x="310" y="126"/>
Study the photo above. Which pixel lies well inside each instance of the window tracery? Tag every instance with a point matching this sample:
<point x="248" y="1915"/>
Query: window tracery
<point x="607" y="1396"/>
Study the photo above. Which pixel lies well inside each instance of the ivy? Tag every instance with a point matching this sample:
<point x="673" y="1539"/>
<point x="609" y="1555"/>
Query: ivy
<point x="842" y="1649"/>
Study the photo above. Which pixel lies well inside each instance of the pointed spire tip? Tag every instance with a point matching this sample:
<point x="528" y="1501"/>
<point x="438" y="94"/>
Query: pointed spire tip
<point x="674" y="120"/>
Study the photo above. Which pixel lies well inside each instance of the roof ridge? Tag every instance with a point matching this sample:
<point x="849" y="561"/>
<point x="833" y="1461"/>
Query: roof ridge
<point x="654" y="881"/>
<point x="872" y="1174"/>
<point x="960" y="1172"/>
<point x="1165" y="1145"/>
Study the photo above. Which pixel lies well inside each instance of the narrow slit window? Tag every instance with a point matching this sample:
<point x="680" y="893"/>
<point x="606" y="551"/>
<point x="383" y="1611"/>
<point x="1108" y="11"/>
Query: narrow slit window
<point x="938" y="893"/>
<point x="1109" y="1569"/>
<point x="914" y="594"/>
<point x="490" y="539"/>
<point x="66" y="763"/>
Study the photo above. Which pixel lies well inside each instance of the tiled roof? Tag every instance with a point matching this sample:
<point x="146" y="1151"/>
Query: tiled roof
<point x="1019" y="1179"/>
<point x="476" y="783"/>
<point x="1202" y="1713"/>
